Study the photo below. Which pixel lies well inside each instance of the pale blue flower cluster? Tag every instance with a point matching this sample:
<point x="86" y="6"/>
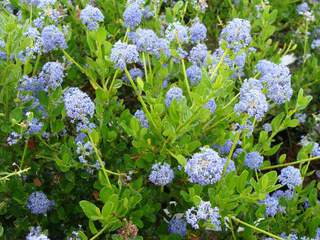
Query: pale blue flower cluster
<point x="91" y="16"/>
<point x="38" y="203"/>
<point x="123" y="54"/>
<point x="194" y="74"/>
<point x="198" y="32"/>
<point x="51" y="75"/>
<point x="36" y="234"/>
<point x="174" y="93"/>
<point x="291" y="177"/>
<point x="34" y="126"/>
<point x="267" y="127"/>
<point x="42" y="4"/>
<point x="205" y="167"/>
<point x="132" y="15"/>
<point x="198" y="54"/>
<point x="177" y="32"/>
<point x="3" y="54"/>
<point x="161" y="174"/>
<point x="253" y="160"/>
<point x="139" y="114"/>
<point x="206" y="213"/>
<point x="303" y="8"/>
<point x="178" y="225"/>
<point x="272" y="206"/>
<point x="84" y="150"/>
<point x="134" y="73"/>
<point x="315" y="44"/>
<point x="13" y="138"/>
<point x="211" y="105"/>
<point x="52" y="39"/>
<point x="315" y="150"/>
<point x="252" y="100"/>
<point x="226" y="148"/>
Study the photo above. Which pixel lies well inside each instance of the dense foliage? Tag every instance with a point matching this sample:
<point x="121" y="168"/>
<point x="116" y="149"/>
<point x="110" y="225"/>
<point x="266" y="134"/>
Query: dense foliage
<point x="159" y="119"/>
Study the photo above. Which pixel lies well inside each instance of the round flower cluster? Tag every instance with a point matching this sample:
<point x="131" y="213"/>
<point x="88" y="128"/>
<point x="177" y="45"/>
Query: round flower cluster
<point x="84" y="151"/>
<point x="194" y="74"/>
<point x="161" y="174"/>
<point x="204" y="212"/>
<point x="139" y="114"/>
<point x="211" y="105"/>
<point x="205" y="167"/>
<point x="132" y="15"/>
<point x="198" y="54"/>
<point x="36" y="234"/>
<point x="52" y="39"/>
<point x="253" y="160"/>
<point x="34" y="126"/>
<point x="291" y="177"/>
<point x="177" y="32"/>
<point x="13" y="138"/>
<point x="51" y="75"/>
<point x="38" y="203"/>
<point x="91" y="16"/>
<point x="315" y="150"/>
<point x="134" y="73"/>
<point x="272" y="206"/>
<point x="178" y="225"/>
<point x="198" y="32"/>
<point x="123" y="54"/>
<point x="174" y="93"/>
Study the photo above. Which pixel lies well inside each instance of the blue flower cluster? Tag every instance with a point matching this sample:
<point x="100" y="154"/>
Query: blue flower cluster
<point x="174" y="93"/>
<point x="161" y="174"/>
<point x="194" y="74"/>
<point x="134" y="73"/>
<point x="291" y="177"/>
<point x="91" y="16"/>
<point x="211" y="105"/>
<point x="198" y="32"/>
<point x="52" y="75"/>
<point x="36" y="234"/>
<point x="253" y="160"/>
<point x="123" y="54"/>
<point x="132" y="15"/>
<point x="38" y="203"/>
<point x="178" y="225"/>
<point x="204" y="212"/>
<point x="198" y="54"/>
<point x="272" y="206"/>
<point x="205" y="167"/>
<point x="177" y="32"/>
<point x="84" y="151"/>
<point x="52" y="39"/>
<point x="139" y="114"/>
<point x="34" y="126"/>
<point x="13" y="138"/>
<point x="315" y="150"/>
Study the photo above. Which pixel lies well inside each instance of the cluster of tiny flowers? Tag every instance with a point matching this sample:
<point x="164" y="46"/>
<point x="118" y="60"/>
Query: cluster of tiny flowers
<point x="91" y="16"/>
<point x="78" y="104"/>
<point x="291" y="177"/>
<point x="123" y="54"/>
<point x="132" y="15"/>
<point x="52" y="75"/>
<point x="302" y="117"/>
<point x="178" y="225"/>
<point x="303" y="8"/>
<point x="198" y="32"/>
<point x="277" y="79"/>
<point x="204" y="212"/>
<point x="161" y="174"/>
<point x="225" y="148"/>
<point x="315" y="150"/>
<point x="38" y="203"/>
<point x="194" y="74"/>
<point x="252" y="100"/>
<point x="84" y="151"/>
<point x="13" y="138"/>
<point x="205" y="167"/>
<point x="34" y="126"/>
<point x="147" y="40"/>
<point x="253" y="160"/>
<point x="267" y="127"/>
<point x="177" y="32"/>
<point x="236" y="34"/>
<point x="211" y="105"/>
<point x="134" y="73"/>
<point x="36" y="234"/>
<point x="174" y="93"/>
<point x="139" y="114"/>
<point x="39" y="3"/>
<point x="272" y="206"/>
<point x="3" y="54"/>
<point x="198" y="54"/>
<point x="52" y="39"/>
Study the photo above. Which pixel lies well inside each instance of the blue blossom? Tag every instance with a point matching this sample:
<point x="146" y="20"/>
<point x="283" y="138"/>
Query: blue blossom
<point x="194" y="74"/>
<point x="13" y="138"/>
<point x="177" y="32"/>
<point x="134" y="73"/>
<point x="287" y="194"/>
<point x="192" y="218"/>
<point x="38" y="203"/>
<point x="267" y="127"/>
<point x="252" y="100"/>
<point x="198" y="32"/>
<point x="315" y="44"/>
<point x="52" y="39"/>
<point x="226" y="148"/>
<point x="236" y="34"/>
<point x="34" y="126"/>
<point x="272" y="206"/>
<point x="231" y="166"/>
<point x="52" y="75"/>
<point x="148" y="12"/>
<point x="174" y="93"/>
<point x="38" y="22"/>
<point x="31" y="84"/>
<point x="302" y="117"/>
<point x="198" y="54"/>
<point x="132" y="15"/>
<point x="83" y="127"/>
<point x="78" y="104"/>
<point x="178" y="225"/>
<point x="211" y="105"/>
<point x="205" y="167"/>
<point x="291" y="177"/>
<point x="315" y="150"/>
<point x="3" y="54"/>
<point x="303" y="8"/>
<point x="91" y="16"/>
<point x="139" y="114"/>
<point x="237" y="152"/>
<point x="161" y="174"/>
<point x="123" y="54"/>
<point x="36" y="234"/>
<point x="84" y="151"/>
<point x="253" y="160"/>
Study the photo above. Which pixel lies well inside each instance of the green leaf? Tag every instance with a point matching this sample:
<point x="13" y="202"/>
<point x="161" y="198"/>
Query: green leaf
<point x="90" y="210"/>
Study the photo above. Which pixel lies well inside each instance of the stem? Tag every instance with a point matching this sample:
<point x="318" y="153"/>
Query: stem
<point x="145" y="66"/>
<point x="290" y="163"/>
<point x="235" y="142"/>
<point x="305" y="41"/>
<point x="256" y="228"/>
<point x="219" y="64"/>
<point x="231" y="101"/>
<point x="232" y="230"/>
<point x="99" y="233"/>
<point x="13" y="174"/>
<point x="36" y="65"/>
<point x="24" y="153"/>
<point x="186" y="79"/>
<point x="113" y="80"/>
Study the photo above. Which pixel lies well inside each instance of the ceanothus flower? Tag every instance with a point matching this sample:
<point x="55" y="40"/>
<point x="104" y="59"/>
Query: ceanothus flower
<point x="91" y="16"/>
<point x="303" y="8"/>
<point x="36" y="234"/>
<point x="34" y="126"/>
<point x="30" y="84"/>
<point x="315" y="44"/>
<point x="194" y="74"/>
<point x="132" y="15"/>
<point x="252" y="100"/>
<point x="211" y="105"/>
<point x="178" y="225"/>
<point x="205" y="167"/>
<point x="38" y="203"/>
<point x="177" y="32"/>
<point x="134" y="73"/>
<point x="78" y="104"/>
<point x="84" y="151"/>
<point x="161" y="174"/>
<point x="123" y="54"/>
<point x="52" y="39"/>
<point x="148" y="12"/>
<point x="52" y="75"/>
<point x="174" y="93"/>
<point x="272" y="206"/>
<point x="198" y="54"/>
<point x="139" y="114"/>
<point x="291" y="177"/>
<point x="315" y="150"/>
<point x="13" y="138"/>
<point x="226" y="148"/>
<point x="253" y="160"/>
<point x="198" y="32"/>
<point x="236" y="34"/>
